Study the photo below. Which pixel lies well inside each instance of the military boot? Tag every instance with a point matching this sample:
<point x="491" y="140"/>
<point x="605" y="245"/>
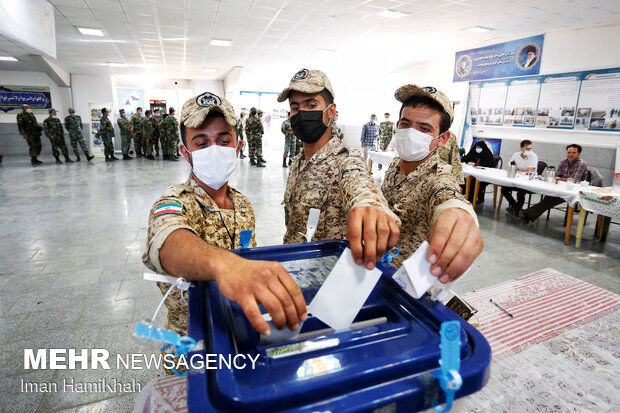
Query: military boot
<point x="58" y="159"/>
<point x="89" y="157"/>
<point x="261" y="160"/>
<point x="284" y="165"/>
<point x="151" y="157"/>
<point x="68" y="160"/>
<point x="114" y="158"/>
<point x="78" y="159"/>
<point x="126" y="157"/>
<point x="290" y="161"/>
<point x="35" y="161"/>
<point x="252" y="161"/>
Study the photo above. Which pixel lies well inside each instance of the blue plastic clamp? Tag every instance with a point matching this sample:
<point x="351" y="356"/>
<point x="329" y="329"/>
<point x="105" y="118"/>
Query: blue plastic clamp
<point x="449" y="377"/>
<point x="182" y="344"/>
<point x="244" y="238"/>
<point x="389" y="256"/>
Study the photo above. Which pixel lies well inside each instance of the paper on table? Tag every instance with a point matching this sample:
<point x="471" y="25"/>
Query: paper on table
<point x="344" y="292"/>
<point x="419" y="271"/>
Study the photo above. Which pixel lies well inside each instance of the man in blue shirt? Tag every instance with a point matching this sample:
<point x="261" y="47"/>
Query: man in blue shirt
<point x="370" y="133"/>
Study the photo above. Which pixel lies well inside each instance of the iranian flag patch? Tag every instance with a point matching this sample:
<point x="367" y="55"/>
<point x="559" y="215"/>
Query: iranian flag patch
<point x="168" y="208"/>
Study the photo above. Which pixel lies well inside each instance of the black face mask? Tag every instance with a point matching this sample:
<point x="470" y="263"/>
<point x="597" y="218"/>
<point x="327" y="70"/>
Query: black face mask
<point x="308" y="125"/>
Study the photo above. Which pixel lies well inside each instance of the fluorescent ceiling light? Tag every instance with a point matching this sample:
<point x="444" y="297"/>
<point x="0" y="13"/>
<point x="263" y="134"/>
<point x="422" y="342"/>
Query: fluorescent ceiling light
<point x="209" y="69"/>
<point x="219" y="42"/>
<point x="8" y="59"/>
<point x="478" y="29"/>
<point x="392" y="14"/>
<point x="175" y="39"/>
<point x="117" y="64"/>
<point x="90" y="32"/>
<point x="323" y="52"/>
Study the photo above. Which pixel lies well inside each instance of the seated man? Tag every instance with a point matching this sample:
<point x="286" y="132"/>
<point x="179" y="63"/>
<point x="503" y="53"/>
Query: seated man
<point x="422" y="190"/>
<point x="193" y="224"/>
<point x="573" y="168"/>
<point x="526" y="161"/>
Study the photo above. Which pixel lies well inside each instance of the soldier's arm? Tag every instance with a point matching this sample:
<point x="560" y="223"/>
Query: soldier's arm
<point x="20" y="127"/>
<point x="372" y="227"/>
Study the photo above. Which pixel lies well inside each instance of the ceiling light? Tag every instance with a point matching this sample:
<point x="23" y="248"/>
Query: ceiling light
<point x="117" y="64"/>
<point x="478" y="29"/>
<point x="8" y="59"/>
<point x="392" y="14"/>
<point x="323" y="52"/>
<point x="175" y="39"/>
<point x="209" y="69"/>
<point x="90" y="32"/>
<point x="219" y="42"/>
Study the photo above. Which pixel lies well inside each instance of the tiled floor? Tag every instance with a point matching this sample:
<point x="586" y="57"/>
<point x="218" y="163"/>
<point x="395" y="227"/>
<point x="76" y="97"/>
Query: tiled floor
<point x="72" y="236"/>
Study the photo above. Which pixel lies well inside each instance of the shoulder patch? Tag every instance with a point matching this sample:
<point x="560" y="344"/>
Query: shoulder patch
<point x="350" y="171"/>
<point x="445" y="193"/>
<point x="168" y="208"/>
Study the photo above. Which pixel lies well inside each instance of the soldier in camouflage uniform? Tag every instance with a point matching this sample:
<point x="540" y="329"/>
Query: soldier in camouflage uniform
<point x="73" y="125"/>
<point x="289" y="141"/>
<point x="53" y="130"/>
<point x="332" y="178"/>
<point x="170" y="129"/>
<point x="149" y="136"/>
<point x="254" y="131"/>
<point x="106" y="131"/>
<point x="137" y="129"/>
<point x="449" y="153"/>
<point x="386" y="131"/>
<point x="192" y="226"/>
<point x="157" y="119"/>
<point x="124" y="125"/>
<point x="422" y="191"/>
<point x="31" y="131"/>
<point x="240" y="133"/>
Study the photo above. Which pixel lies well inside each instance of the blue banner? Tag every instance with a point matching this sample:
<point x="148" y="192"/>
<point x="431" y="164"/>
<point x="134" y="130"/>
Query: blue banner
<point x="516" y="58"/>
<point x="13" y="97"/>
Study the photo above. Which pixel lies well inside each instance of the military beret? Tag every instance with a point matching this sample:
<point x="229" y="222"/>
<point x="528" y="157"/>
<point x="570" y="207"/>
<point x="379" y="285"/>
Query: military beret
<point x="307" y="81"/>
<point x="196" y="109"/>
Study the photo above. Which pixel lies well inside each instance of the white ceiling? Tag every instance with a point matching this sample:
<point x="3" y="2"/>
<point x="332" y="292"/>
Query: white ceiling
<point x="170" y="38"/>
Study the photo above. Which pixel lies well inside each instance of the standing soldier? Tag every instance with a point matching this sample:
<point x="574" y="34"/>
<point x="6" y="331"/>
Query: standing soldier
<point x="449" y="153"/>
<point x="254" y="131"/>
<point x="156" y="134"/>
<point x="73" y="125"/>
<point x="53" y="130"/>
<point x="336" y="131"/>
<point x="170" y="127"/>
<point x="125" y="127"/>
<point x="289" y="140"/>
<point x="31" y="131"/>
<point x="259" y="142"/>
<point x="386" y="131"/>
<point x="240" y="128"/>
<point x="148" y="135"/>
<point x="106" y="131"/>
<point x="138" y="132"/>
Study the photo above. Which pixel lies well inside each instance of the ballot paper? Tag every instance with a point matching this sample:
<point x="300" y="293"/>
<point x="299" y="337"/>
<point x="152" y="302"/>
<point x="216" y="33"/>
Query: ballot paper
<point x="278" y="336"/>
<point x="418" y="270"/>
<point x="344" y="292"/>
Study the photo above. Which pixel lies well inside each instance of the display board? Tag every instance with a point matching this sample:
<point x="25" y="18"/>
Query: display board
<point x="96" y="142"/>
<point x="12" y="98"/>
<point x="588" y="100"/>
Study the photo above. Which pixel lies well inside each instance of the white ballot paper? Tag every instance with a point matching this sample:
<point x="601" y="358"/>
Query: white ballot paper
<point x="418" y="271"/>
<point x="344" y="292"/>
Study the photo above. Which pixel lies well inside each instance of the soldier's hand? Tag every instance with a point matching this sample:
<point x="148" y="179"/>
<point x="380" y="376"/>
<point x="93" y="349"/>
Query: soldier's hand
<point x="455" y="243"/>
<point x="25" y="136"/>
<point x="268" y="283"/>
<point x="371" y="233"/>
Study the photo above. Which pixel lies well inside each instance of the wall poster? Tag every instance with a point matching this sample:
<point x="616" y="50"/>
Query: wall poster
<point x="96" y="143"/>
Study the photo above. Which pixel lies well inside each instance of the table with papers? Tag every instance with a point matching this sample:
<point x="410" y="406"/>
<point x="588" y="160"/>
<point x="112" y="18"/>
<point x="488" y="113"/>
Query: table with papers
<point x="605" y="202"/>
<point x="383" y="158"/>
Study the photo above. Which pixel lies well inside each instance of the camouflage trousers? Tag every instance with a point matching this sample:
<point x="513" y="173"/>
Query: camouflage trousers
<point x="59" y="145"/>
<point x="138" y="143"/>
<point x="125" y="143"/>
<point x="170" y="145"/>
<point x="256" y="146"/>
<point x="151" y="144"/>
<point x="108" y="145"/>
<point x="289" y="148"/>
<point x="75" y="139"/>
<point x="34" y="144"/>
<point x="384" y="141"/>
<point x="297" y="146"/>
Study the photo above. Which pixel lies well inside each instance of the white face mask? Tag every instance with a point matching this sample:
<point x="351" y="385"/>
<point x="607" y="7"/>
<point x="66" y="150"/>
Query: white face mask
<point x="29" y="110"/>
<point x="478" y="150"/>
<point x="412" y="145"/>
<point x="214" y="165"/>
<point x="527" y="153"/>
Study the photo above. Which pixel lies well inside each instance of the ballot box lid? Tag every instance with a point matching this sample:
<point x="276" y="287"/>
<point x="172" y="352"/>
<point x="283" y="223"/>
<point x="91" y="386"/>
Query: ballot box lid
<point x="387" y="357"/>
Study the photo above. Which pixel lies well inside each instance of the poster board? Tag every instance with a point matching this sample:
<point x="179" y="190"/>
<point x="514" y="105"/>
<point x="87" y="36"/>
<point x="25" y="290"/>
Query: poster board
<point x="12" y="98"/>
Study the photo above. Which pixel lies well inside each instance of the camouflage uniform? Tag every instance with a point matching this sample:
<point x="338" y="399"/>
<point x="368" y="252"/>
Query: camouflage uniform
<point x="27" y="125"/>
<point x="200" y="215"/>
<point x="73" y="125"/>
<point x="386" y="132"/>
<point x="125" y="127"/>
<point x="297" y="146"/>
<point x="289" y="139"/>
<point x="53" y="130"/>
<point x="418" y="199"/>
<point x="138" y="133"/>
<point x="106" y="130"/>
<point x="337" y="132"/>
<point x="157" y="141"/>
<point x="449" y="153"/>
<point x="240" y="134"/>
<point x="148" y="126"/>
<point x="254" y="131"/>
<point x="335" y="180"/>
<point x="170" y="128"/>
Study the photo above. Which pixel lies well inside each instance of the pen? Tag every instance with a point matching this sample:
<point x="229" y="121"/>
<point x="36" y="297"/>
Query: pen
<point x="500" y="307"/>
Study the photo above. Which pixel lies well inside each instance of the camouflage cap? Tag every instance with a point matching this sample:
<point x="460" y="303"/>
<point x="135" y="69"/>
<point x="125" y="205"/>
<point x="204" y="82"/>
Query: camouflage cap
<point x="196" y="109"/>
<point x="408" y="91"/>
<point x="307" y="81"/>
<point x="252" y="111"/>
<point x="51" y="110"/>
<point x="71" y="110"/>
<point x="260" y="112"/>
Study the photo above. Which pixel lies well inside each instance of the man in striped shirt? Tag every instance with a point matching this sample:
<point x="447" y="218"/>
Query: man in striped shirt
<point x="370" y="134"/>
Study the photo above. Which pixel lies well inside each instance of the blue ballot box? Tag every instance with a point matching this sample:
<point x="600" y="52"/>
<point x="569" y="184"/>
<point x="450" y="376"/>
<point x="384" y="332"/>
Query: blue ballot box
<point x="384" y="362"/>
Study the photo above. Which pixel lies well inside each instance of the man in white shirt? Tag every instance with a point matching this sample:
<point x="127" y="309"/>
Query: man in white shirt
<point x="526" y="161"/>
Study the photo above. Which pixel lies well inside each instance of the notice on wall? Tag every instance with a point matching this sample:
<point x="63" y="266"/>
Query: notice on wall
<point x="558" y="100"/>
<point x="13" y="97"/>
<point x="599" y="101"/>
<point x="474" y="103"/>
<point x="521" y="102"/>
<point x="96" y="142"/>
<point x="492" y="102"/>
<point x="130" y="99"/>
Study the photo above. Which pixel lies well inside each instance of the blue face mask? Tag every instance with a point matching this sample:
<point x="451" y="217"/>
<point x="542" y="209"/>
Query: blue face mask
<point x="73" y="114"/>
